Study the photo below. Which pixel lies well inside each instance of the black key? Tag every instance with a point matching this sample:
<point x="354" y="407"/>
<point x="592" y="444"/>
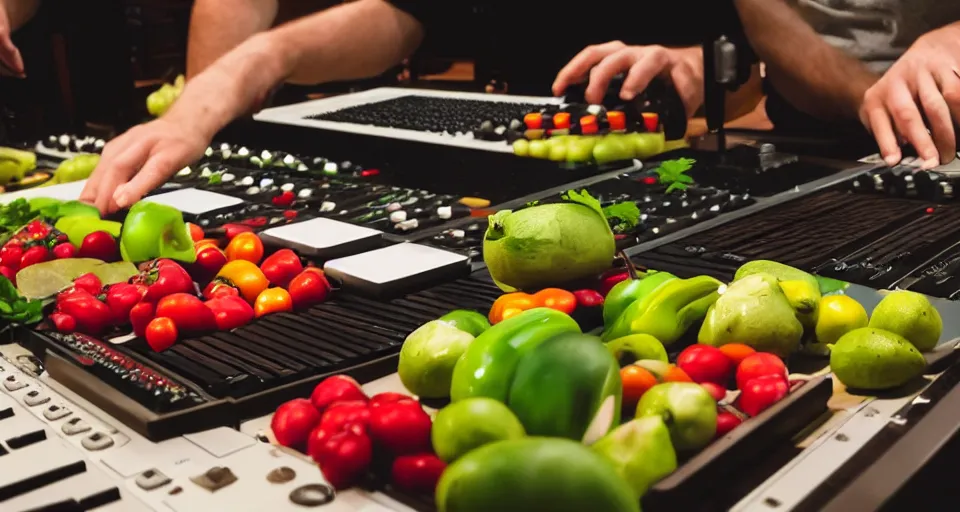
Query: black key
<point x="40" y="480"/>
<point x="27" y="439"/>
<point x="6" y="413"/>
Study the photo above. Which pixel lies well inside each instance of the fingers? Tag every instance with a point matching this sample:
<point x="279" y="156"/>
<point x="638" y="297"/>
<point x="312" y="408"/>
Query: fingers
<point x="119" y="171"/>
<point x="949" y="83"/>
<point x="91" y="190"/>
<point x="689" y="85"/>
<point x="609" y="67"/>
<point x="645" y="67"/>
<point x="938" y="116"/>
<point x="10" y="55"/>
<point x="906" y="117"/>
<point x="879" y="124"/>
<point x="578" y="67"/>
<point x="155" y="172"/>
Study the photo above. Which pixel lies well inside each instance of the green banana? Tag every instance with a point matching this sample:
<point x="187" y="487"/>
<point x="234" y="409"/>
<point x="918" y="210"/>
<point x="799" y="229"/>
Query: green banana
<point x="669" y="312"/>
<point x="15" y="164"/>
<point x="626" y="292"/>
<point x="486" y="369"/>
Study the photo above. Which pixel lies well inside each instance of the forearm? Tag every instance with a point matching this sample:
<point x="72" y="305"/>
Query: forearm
<point x="19" y="11"/>
<point x="813" y="76"/>
<point x="355" y="40"/>
<point x="218" y="26"/>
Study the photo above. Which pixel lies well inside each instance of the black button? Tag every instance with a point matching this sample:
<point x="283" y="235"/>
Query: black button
<point x="27" y="439"/>
<point x="6" y="413"/>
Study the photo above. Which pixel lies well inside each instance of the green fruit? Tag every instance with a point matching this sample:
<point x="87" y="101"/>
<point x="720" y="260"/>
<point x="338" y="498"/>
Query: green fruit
<point x="533" y="474"/>
<point x="668" y="311"/>
<point x="464" y="426"/>
<point x="488" y="366"/>
<point x="570" y="387"/>
<point x="558" y="152"/>
<point x="538" y="149"/>
<point x="77" y="168"/>
<point x="626" y="292"/>
<point x="467" y="320"/>
<point x="46" y="279"/>
<point x="753" y="311"/>
<point x="874" y="359"/>
<point x="428" y="357"/>
<point x="801" y="289"/>
<point x="77" y="227"/>
<point x="641" y="451"/>
<point x="635" y="347"/>
<point x="612" y="148"/>
<point x="580" y="150"/>
<point x="547" y="244"/>
<point x="646" y="145"/>
<point x="910" y="315"/>
<point x="521" y="147"/>
<point x="688" y="410"/>
<point x="15" y="164"/>
<point x="153" y="230"/>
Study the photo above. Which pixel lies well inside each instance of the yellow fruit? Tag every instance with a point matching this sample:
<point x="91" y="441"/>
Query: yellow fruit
<point x="839" y="314"/>
<point x="910" y="315"/>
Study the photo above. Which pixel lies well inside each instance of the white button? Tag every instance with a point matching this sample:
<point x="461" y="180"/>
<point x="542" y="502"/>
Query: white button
<point x="12" y="383"/>
<point x="56" y="412"/>
<point x="75" y="426"/>
<point x="35" y="398"/>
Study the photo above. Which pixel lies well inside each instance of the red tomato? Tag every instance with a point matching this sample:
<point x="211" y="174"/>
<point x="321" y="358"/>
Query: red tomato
<point x="717" y="391"/>
<point x="89" y="282"/>
<point x="340" y="414"/>
<point x="281" y="266"/>
<point x="402" y="427"/>
<point x="64" y="323"/>
<point x="308" y="288"/>
<point x="760" y="393"/>
<point x="293" y="421"/>
<point x="726" y="421"/>
<point x="99" y="245"/>
<point x="388" y="398"/>
<point x="417" y="473"/>
<point x="342" y="456"/>
<point x="140" y="317"/>
<point x="64" y="251"/>
<point x="760" y="364"/>
<point x="9" y="273"/>
<point x="196" y="232"/>
<point x="34" y="255"/>
<point x="188" y="312"/>
<point x="704" y="363"/>
<point x="10" y="255"/>
<point x="161" y="334"/>
<point x="338" y="388"/>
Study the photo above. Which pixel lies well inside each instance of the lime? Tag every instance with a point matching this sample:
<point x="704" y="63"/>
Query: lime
<point x="839" y="314"/>
<point x="428" y="356"/>
<point x="910" y="315"/>
<point x="471" y="423"/>
<point x="50" y="277"/>
<point x="870" y="358"/>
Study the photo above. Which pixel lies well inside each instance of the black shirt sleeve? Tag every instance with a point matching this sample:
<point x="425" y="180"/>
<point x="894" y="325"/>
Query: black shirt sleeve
<point x="423" y="11"/>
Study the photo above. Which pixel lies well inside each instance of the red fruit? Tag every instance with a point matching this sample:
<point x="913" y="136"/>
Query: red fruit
<point x="588" y="298"/>
<point x="164" y="277"/>
<point x="281" y="266"/>
<point x="140" y="316"/>
<point x="704" y="363"/>
<point x="38" y="227"/>
<point x="343" y="456"/>
<point x="388" y="398"/>
<point x="64" y="323"/>
<point x="10" y="255"/>
<point x="232" y="230"/>
<point x="230" y="311"/>
<point x="610" y="281"/>
<point x="726" y="421"/>
<point x="34" y="255"/>
<point x="122" y="297"/>
<point x="188" y="312"/>
<point x="64" y="251"/>
<point x="340" y="414"/>
<point x="196" y="232"/>
<point x="308" y="288"/>
<point x="760" y="364"/>
<point x="717" y="391"/>
<point x="402" y="427"/>
<point x="99" y="245"/>
<point x="338" y="388"/>
<point x="89" y="282"/>
<point x="293" y="421"/>
<point x="91" y="315"/>
<point x="760" y="393"/>
<point x="9" y="273"/>
<point x="285" y="199"/>
<point x="210" y="260"/>
<point x="161" y="333"/>
<point x="417" y="473"/>
<point x="216" y="289"/>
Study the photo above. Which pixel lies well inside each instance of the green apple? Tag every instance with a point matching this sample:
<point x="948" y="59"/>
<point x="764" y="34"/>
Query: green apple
<point x="640" y="451"/>
<point x="558" y="151"/>
<point x="688" y="410"/>
<point x="646" y="145"/>
<point x="428" y="356"/>
<point x="539" y="149"/>
<point x="580" y="150"/>
<point x="612" y="148"/>
<point x="471" y="423"/>
<point x="521" y="147"/>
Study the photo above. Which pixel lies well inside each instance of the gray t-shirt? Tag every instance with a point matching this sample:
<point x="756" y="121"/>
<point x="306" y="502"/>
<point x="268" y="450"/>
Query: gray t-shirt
<point x="877" y="31"/>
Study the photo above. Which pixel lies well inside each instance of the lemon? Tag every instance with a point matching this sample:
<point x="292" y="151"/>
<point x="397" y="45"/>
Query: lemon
<point x="839" y="314"/>
<point x="910" y="315"/>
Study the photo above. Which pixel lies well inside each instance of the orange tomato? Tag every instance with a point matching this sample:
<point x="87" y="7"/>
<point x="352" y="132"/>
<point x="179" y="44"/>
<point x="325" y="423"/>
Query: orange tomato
<point x="196" y="232"/>
<point x="737" y="352"/>
<point x="200" y="244"/>
<point x="636" y="382"/>
<point x="510" y="304"/>
<point x="272" y="300"/>
<point x="246" y="277"/>
<point x="245" y="246"/>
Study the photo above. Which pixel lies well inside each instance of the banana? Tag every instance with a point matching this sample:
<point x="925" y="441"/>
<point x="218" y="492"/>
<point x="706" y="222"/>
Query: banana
<point x="668" y="312"/>
<point x="15" y="164"/>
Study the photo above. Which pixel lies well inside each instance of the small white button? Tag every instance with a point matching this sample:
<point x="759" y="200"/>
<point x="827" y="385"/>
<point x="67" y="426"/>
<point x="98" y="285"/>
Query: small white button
<point x="56" y="412"/>
<point x="35" y="398"/>
<point x="75" y="426"/>
<point x="12" y="383"/>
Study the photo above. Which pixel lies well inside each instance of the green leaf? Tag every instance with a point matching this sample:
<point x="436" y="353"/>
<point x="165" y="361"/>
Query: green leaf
<point x="671" y="173"/>
<point x="533" y="203"/>
<point x="14" y="308"/>
<point x="627" y="213"/>
<point x="676" y="186"/>
<point x="584" y="198"/>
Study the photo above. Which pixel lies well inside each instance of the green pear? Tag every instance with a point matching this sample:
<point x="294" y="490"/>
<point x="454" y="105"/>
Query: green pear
<point x="688" y="410"/>
<point x="640" y="451"/>
<point x="754" y="311"/>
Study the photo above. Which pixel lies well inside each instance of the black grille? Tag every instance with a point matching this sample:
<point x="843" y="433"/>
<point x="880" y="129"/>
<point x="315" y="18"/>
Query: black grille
<point x="429" y="114"/>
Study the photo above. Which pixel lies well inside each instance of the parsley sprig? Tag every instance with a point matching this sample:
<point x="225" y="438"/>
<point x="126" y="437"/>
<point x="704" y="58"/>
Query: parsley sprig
<point x="673" y="173"/>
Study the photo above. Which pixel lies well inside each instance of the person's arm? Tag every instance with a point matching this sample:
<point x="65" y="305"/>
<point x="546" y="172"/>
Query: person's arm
<point x="812" y="75"/>
<point x="13" y="15"/>
<point x="19" y="12"/>
<point x="218" y="26"/>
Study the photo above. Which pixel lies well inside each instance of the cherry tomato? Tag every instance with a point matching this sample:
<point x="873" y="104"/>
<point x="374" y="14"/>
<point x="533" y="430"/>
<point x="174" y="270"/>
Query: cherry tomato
<point x="196" y="232"/>
<point x="704" y="363"/>
<point x="760" y="364"/>
<point x="293" y="421"/>
<point x="308" y="288"/>
<point x="417" y="473"/>
<point x="337" y="388"/>
<point x="726" y="421"/>
<point x="245" y="276"/>
<point x="636" y="382"/>
<point x="272" y="300"/>
<point x="760" y="393"/>
<point x="737" y="352"/>
<point x="245" y="246"/>
<point x="161" y="334"/>
<point x="716" y="391"/>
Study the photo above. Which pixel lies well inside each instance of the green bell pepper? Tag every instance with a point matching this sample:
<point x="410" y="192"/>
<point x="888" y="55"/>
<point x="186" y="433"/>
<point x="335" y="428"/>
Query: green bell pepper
<point x="77" y="227"/>
<point x="54" y="209"/>
<point x="626" y="292"/>
<point x="154" y="230"/>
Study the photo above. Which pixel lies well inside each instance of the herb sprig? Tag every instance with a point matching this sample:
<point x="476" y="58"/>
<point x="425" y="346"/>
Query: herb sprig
<point x="673" y="173"/>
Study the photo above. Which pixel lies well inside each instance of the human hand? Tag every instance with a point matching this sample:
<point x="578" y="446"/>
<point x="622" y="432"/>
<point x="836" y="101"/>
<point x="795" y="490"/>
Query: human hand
<point x="10" y="60"/>
<point x="141" y="160"/>
<point x="642" y="64"/>
<point x="925" y="81"/>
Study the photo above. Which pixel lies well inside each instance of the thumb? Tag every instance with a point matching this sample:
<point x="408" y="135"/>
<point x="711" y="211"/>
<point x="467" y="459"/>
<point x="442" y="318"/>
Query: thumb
<point x="155" y="172"/>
